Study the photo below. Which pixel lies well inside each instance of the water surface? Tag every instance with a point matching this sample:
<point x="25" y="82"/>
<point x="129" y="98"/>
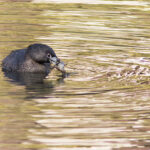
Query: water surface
<point x="87" y="110"/>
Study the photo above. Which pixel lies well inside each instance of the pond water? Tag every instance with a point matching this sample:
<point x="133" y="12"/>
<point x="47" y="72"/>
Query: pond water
<point x="87" y="110"/>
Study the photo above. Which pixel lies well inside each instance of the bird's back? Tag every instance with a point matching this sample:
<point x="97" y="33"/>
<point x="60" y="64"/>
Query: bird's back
<point x="14" y="60"/>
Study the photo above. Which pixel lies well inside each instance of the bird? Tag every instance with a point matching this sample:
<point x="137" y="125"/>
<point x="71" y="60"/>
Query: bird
<point x="36" y="58"/>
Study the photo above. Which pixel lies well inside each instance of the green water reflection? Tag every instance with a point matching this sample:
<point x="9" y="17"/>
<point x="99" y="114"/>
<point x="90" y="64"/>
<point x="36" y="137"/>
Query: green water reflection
<point x="86" y="110"/>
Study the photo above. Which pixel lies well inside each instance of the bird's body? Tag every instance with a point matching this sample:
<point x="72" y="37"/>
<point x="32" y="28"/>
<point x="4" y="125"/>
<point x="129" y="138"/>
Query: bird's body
<point x="35" y="58"/>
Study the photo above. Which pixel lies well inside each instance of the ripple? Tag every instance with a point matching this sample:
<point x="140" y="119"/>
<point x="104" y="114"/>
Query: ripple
<point x="129" y="3"/>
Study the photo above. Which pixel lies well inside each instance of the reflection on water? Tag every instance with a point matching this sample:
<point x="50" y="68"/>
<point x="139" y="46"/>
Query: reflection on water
<point x="86" y="110"/>
<point x="26" y="78"/>
<point x="94" y="2"/>
<point x="35" y="83"/>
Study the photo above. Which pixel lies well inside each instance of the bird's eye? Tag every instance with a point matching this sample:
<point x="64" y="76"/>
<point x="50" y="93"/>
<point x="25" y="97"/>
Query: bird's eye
<point x="48" y="55"/>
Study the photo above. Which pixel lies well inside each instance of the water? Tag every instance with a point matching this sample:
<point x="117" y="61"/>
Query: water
<point x="87" y="110"/>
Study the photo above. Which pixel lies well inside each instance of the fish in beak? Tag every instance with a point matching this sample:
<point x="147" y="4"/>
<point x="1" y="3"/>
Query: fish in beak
<point x="58" y="64"/>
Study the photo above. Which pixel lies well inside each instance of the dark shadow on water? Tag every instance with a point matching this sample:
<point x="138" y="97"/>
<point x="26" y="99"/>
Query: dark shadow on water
<point x="36" y="86"/>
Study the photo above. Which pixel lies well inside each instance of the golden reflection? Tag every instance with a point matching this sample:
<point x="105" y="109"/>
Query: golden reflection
<point x="86" y="110"/>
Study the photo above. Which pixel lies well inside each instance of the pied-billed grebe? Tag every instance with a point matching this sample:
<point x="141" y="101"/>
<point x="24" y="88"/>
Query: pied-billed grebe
<point x="34" y="58"/>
